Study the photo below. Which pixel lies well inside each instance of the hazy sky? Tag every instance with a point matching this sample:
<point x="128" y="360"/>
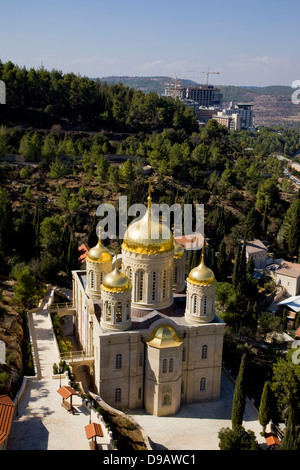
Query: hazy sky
<point x="248" y="43"/>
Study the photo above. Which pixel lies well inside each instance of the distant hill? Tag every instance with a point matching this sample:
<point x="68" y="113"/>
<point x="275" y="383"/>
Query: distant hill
<point x="272" y="104"/>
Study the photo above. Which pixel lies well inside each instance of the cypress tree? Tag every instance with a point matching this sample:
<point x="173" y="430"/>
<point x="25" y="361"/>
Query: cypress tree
<point x="242" y="281"/>
<point x="291" y="436"/>
<point x="222" y="262"/>
<point x="239" y="396"/>
<point x="264" y="415"/>
<point x="236" y="268"/>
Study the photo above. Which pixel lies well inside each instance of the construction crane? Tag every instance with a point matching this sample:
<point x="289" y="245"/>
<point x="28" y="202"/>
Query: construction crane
<point x="210" y="73"/>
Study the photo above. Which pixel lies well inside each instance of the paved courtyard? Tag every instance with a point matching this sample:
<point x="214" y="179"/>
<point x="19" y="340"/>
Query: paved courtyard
<point x="196" y="426"/>
<point x="41" y="423"/>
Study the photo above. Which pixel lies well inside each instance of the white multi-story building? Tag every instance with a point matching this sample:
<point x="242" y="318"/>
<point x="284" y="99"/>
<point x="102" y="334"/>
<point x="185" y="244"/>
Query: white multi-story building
<point x="154" y="344"/>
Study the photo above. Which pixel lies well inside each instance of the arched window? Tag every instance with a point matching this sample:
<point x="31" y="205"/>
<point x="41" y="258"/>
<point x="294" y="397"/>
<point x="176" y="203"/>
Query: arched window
<point x="141" y="360"/>
<point x="175" y="274"/>
<point x="164" y="286"/>
<point x="204" y="305"/>
<point x="171" y="364"/>
<point x="92" y="279"/>
<point x="167" y="397"/>
<point x="204" y="351"/>
<point x="118" y="362"/>
<point x="153" y="286"/>
<point x="194" y="304"/>
<point x="119" y="312"/>
<point x="164" y="366"/>
<point x="141" y="285"/>
<point x="140" y="393"/>
<point x="182" y="387"/>
<point x="202" y="384"/>
<point x="183" y="354"/>
<point x="118" y="395"/>
<point x="108" y="311"/>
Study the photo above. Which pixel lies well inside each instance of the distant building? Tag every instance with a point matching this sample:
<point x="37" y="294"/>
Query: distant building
<point x="205" y="114"/>
<point x="232" y="122"/>
<point x="244" y="110"/>
<point x="204" y="95"/>
<point x="288" y="276"/>
<point x="258" y="251"/>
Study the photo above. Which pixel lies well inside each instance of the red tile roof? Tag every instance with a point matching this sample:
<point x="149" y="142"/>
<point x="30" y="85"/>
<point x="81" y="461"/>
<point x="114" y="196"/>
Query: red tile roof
<point x="66" y="391"/>
<point x="83" y="250"/>
<point x="6" y="416"/>
<point x="93" y="429"/>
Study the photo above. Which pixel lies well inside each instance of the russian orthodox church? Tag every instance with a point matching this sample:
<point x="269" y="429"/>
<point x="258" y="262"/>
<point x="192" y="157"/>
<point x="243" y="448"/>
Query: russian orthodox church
<point x="154" y="335"/>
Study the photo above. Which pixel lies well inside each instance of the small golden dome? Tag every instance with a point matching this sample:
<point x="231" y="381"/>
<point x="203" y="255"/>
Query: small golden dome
<point x="99" y="254"/>
<point x="201" y="275"/>
<point x="178" y="250"/>
<point x="164" y="337"/>
<point x="116" y="281"/>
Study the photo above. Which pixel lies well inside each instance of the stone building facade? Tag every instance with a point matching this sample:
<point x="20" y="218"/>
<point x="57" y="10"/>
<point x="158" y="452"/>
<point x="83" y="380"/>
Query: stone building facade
<point x="155" y="338"/>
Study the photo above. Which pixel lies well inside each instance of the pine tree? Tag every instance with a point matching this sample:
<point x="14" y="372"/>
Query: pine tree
<point x="239" y="396"/>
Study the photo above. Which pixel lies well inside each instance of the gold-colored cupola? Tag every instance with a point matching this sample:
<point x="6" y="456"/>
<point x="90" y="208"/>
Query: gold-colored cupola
<point x="148" y="235"/>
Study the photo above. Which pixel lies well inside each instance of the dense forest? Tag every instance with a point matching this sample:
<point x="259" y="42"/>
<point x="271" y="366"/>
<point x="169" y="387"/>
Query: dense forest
<point x="66" y="127"/>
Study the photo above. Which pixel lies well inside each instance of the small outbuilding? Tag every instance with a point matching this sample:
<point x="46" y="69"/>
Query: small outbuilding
<point x="272" y="441"/>
<point x="93" y="430"/>
<point x="67" y="392"/>
<point x="6" y="416"/>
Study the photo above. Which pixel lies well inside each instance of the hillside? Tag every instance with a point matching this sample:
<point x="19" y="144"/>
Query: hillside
<point x="272" y="105"/>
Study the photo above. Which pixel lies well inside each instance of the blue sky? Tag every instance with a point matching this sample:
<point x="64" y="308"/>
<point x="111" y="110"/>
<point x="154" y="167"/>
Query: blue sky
<point x="248" y="43"/>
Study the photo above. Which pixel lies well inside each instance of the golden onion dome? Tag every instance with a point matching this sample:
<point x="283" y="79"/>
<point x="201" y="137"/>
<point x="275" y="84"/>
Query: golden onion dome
<point x="201" y="275"/>
<point x="148" y="235"/>
<point x="116" y="281"/>
<point x="99" y="254"/>
<point x="178" y="250"/>
<point x="164" y="337"/>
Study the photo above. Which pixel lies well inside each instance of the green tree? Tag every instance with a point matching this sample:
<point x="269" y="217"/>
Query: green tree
<point x="128" y="172"/>
<point x="102" y="170"/>
<point x="265" y="408"/>
<point x="51" y="235"/>
<point x="286" y="386"/>
<point x="291" y="439"/>
<point x="239" y="396"/>
<point x="237" y="439"/>
<point x="49" y="148"/>
<point x="25" y="234"/>
<point x="26" y="287"/>
<point x="3" y="140"/>
<point x="267" y="192"/>
<point x="6" y="222"/>
<point x="114" y="176"/>
<point x="57" y="170"/>
<point x="30" y="147"/>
